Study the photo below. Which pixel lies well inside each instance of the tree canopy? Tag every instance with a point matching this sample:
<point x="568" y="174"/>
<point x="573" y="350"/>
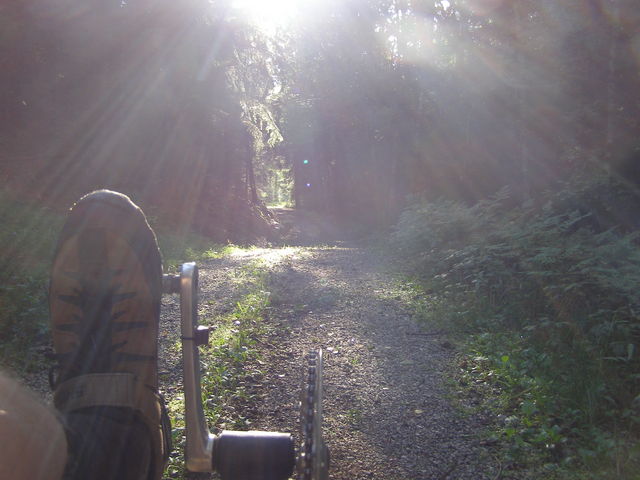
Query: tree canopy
<point x="354" y="106"/>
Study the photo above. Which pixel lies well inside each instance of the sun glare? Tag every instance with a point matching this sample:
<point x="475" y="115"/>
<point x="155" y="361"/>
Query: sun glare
<point x="268" y="15"/>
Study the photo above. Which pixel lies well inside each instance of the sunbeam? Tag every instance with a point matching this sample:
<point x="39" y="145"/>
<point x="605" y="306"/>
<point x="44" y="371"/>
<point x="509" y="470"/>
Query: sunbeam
<point x="270" y="15"/>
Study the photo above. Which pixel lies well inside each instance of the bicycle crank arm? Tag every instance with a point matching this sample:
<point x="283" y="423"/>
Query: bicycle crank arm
<point x="234" y="455"/>
<point x="199" y="449"/>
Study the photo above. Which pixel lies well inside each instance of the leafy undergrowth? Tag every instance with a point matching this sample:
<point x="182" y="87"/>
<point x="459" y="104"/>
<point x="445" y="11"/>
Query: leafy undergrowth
<point x="539" y="423"/>
<point x="544" y="304"/>
<point x="27" y="239"/>
<point x="228" y="383"/>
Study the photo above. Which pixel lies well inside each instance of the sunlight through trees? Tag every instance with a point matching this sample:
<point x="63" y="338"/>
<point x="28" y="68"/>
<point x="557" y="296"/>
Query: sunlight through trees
<point x="499" y="139"/>
<point x="388" y="98"/>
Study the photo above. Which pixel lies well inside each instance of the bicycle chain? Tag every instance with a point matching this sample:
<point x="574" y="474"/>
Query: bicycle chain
<point x="313" y="458"/>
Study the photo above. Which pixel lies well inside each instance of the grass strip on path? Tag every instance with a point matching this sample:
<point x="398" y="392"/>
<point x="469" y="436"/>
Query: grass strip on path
<point x="231" y="361"/>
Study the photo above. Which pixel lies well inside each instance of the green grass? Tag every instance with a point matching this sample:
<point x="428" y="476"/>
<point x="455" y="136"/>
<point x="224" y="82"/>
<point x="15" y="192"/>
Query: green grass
<point x="230" y="358"/>
<point x="27" y="239"/>
<point x="354" y="417"/>
<point x="541" y="428"/>
<point x="280" y="205"/>
<point x="178" y="248"/>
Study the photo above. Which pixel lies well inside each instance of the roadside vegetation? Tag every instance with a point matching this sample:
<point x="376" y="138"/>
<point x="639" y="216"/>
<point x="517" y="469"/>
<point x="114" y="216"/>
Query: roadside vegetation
<point x="231" y="360"/>
<point x="543" y="302"/>
<point x="27" y="238"/>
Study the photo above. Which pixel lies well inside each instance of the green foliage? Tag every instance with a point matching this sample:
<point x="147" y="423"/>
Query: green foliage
<point x="178" y="248"/>
<point x="27" y="239"/>
<point x="231" y="361"/>
<point x="547" y="302"/>
<point x="276" y="185"/>
<point x="23" y="321"/>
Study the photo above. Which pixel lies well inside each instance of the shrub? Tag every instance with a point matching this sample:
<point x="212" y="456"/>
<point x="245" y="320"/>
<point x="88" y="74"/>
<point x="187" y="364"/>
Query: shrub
<point x="562" y="288"/>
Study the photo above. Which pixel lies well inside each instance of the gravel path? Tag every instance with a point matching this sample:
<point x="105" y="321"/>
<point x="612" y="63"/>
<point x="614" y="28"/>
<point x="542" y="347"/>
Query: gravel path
<point x="387" y="408"/>
<point x="386" y="404"/>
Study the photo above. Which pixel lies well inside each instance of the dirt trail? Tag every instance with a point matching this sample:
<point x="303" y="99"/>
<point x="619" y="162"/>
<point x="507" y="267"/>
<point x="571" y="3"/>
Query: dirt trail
<point x="386" y="408"/>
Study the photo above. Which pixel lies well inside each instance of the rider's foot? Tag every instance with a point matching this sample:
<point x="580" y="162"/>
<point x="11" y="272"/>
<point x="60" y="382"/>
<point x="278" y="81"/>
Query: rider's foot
<point x="104" y="305"/>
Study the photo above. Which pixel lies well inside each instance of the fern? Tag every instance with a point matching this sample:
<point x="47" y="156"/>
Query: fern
<point x="563" y="286"/>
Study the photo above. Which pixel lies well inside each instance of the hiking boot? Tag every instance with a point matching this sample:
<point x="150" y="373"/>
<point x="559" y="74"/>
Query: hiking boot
<point x="104" y="303"/>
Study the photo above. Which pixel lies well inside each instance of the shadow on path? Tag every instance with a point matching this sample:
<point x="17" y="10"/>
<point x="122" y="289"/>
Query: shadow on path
<point x="387" y="410"/>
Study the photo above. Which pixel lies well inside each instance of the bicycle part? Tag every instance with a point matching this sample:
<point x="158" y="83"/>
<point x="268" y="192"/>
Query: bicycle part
<point x="199" y="449"/>
<point x="234" y="455"/>
<point x="313" y="462"/>
<point x="254" y="455"/>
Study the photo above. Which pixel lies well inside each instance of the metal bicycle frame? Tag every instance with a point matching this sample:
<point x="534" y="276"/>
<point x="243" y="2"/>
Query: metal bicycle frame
<point x="237" y="455"/>
<point x="199" y="450"/>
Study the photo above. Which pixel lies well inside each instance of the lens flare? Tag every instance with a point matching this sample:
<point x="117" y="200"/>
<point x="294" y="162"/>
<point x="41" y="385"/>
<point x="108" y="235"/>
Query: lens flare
<point x="268" y="15"/>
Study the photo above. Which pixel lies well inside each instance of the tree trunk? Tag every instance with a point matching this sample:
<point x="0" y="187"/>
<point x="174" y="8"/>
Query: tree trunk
<point x="251" y="181"/>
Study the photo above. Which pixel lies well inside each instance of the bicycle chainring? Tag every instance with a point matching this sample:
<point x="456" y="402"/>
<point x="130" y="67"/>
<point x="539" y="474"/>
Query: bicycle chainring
<point x="313" y="458"/>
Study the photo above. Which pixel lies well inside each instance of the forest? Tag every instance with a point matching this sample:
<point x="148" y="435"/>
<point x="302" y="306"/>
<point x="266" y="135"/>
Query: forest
<point x="492" y="147"/>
